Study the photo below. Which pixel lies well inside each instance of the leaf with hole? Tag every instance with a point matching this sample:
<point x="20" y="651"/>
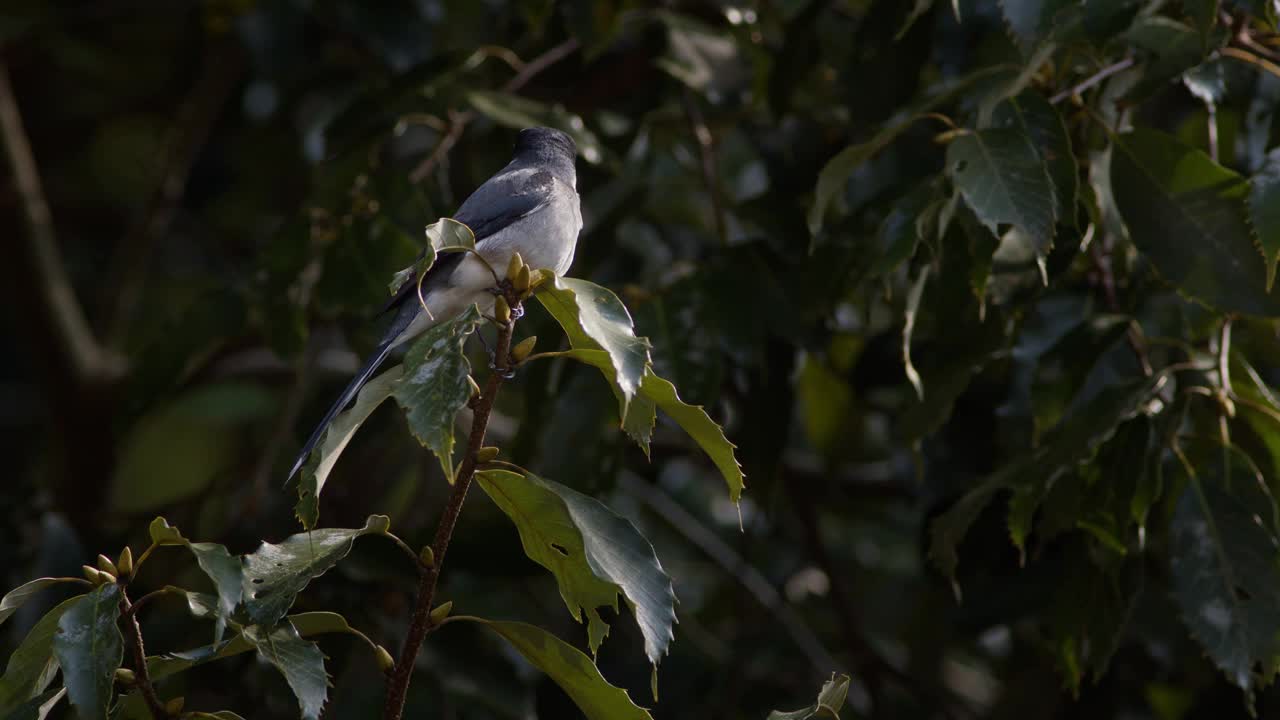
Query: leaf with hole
<point x="1003" y="178"/>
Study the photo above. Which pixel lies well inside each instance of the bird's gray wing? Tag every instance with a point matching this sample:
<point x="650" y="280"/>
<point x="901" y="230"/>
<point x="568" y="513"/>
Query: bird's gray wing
<point x="500" y="201"/>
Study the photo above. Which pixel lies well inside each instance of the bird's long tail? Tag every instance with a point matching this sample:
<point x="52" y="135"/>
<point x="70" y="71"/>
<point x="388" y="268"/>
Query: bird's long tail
<point x="353" y="388"/>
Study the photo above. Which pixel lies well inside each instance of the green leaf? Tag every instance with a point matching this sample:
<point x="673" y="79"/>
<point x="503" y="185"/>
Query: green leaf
<point x="569" y="668"/>
<point x="339" y="433"/>
<point x="836" y="173"/>
<point x="220" y="715"/>
<point x="32" y="665"/>
<point x="1264" y="213"/>
<point x="593" y="552"/>
<point x="1170" y="47"/>
<point x="38" y="707"/>
<point x="1187" y="214"/>
<point x="275" y="574"/>
<point x="444" y="235"/>
<point x="433" y="385"/>
<point x="699" y="426"/>
<point x="594" y="318"/>
<point x="903" y="228"/>
<point x="518" y="113"/>
<point x="1032" y="114"/>
<point x="1030" y="20"/>
<point x="1089" y="614"/>
<point x="300" y="661"/>
<point x="218" y="564"/>
<point x="1226" y="568"/>
<point x="830" y="700"/>
<point x="89" y="647"/>
<point x="1004" y="180"/>
<point x="14" y="599"/>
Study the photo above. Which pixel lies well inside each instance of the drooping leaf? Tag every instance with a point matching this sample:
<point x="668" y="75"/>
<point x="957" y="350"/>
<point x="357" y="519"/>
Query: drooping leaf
<point x="89" y="647"/>
<point x="444" y="235"/>
<point x="704" y="431"/>
<point x="339" y="433"/>
<point x="1032" y="113"/>
<point x="1089" y="614"/>
<point x="830" y="701"/>
<point x="594" y="318"/>
<point x="1264" y="213"/>
<point x="300" y="661"/>
<point x="569" y="668"/>
<point x="433" y="386"/>
<point x="1187" y="214"/>
<point x="37" y="708"/>
<point x="275" y="574"/>
<point x="1005" y="181"/>
<point x="1225" y="564"/>
<point x="218" y="564"/>
<point x="593" y="552"/>
<point x="32" y="666"/>
<point x="14" y="599"/>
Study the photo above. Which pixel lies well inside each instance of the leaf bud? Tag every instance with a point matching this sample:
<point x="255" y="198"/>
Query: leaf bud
<point x="486" y="454"/>
<point x="125" y="562"/>
<point x="92" y="574"/>
<point x="514" y="265"/>
<point x="125" y="676"/>
<point x="385" y="661"/>
<point x="441" y="612"/>
<point x="105" y="564"/>
<point x="173" y="708"/>
<point x="522" y="280"/>
<point x="501" y="310"/>
<point x="523" y="349"/>
<point x="475" y="386"/>
<point x="427" y="556"/>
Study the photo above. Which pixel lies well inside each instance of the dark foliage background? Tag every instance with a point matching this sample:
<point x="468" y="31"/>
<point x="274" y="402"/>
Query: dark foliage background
<point x="232" y="183"/>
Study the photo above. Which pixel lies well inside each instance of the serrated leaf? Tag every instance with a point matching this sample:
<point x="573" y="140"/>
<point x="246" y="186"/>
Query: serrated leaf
<point x="32" y="665"/>
<point x="14" y="599"/>
<point x="569" y="668"/>
<point x="830" y="700"/>
<point x="89" y="647"/>
<point x="1031" y="113"/>
<point x="1226" y="568"/>
<point x="218" y="564"/>
<point x="1088" y="615"/>
<point x="300" y="661"/>
<point x="275" y="574"/>
<point x="339" y="433"/>
<point x="433" y="386"/>
<point x="1003" y="179"/>
<point x="594" y="318"/>
<point x="593" y="552"/>
<point x="699" y="426"/>
<point x="1187" y="214"/>
<point x="1264" y="213"/>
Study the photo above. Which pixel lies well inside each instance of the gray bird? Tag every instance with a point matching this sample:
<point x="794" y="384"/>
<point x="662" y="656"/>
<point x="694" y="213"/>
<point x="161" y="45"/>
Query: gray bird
<point x="530" y="206"/>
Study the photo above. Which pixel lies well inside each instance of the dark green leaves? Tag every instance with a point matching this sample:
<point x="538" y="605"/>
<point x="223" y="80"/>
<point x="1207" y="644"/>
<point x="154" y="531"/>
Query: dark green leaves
<point x="433" y="385"/>
<point x="1226" y="568"/>
<point x="32" y="666"/>
<point x="14" y="599"/>
<point x="1187" y="214"/>
<point x="89" y="647"/>
<point x="221" y="567"/>
<point x="1003" y="179"/>
<point x="300" y="661"/>
<point x="595" y="319"/>
<point x="594" y="554"/>
<point x="1264" y="213"/>
<point x="830" y="700"/>
<point x="275" y="574"/>
<point x="570" y="669"/>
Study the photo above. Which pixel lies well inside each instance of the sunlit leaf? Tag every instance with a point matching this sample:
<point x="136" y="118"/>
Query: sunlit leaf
<point x="274" y="574"/>
<point x="300" y="661"/>
<point x="593" y="552"/>
<point x="569" y="668"/>
<point x="89" y="647"/>
<point x="830" y="700"/>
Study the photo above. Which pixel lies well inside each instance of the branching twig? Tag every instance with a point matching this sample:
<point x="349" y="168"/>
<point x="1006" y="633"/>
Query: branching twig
<point x="88" y="360"/>
<point x="140" y="658"/>
<point x="420" y="624"/>
<point x="1093" y="79"/>
<point x="458" y="121"/>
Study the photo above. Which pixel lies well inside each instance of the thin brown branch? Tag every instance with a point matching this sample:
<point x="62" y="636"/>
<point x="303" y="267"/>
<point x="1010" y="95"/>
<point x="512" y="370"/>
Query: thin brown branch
<point x="56" y="297"/>
<point x="420" y="623"/>
<point x="707" y="157"/>
<point x="140" y="657"/>
<point x="1093" y="79"/>
<point x="458" y="121"/>
<point x="190" y="132"/>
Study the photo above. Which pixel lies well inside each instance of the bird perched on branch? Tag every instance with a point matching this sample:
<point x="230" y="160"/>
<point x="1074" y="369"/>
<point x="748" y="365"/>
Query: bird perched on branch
<point x="530" y="206"/>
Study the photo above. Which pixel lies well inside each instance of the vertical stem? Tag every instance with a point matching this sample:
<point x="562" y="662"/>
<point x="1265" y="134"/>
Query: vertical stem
<point x="127" y="611"/>
<point x="420" y="623"/>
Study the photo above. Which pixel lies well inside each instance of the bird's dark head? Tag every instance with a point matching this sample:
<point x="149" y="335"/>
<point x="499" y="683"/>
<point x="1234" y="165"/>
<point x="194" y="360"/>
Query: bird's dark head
<point x="542" y="140"/>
